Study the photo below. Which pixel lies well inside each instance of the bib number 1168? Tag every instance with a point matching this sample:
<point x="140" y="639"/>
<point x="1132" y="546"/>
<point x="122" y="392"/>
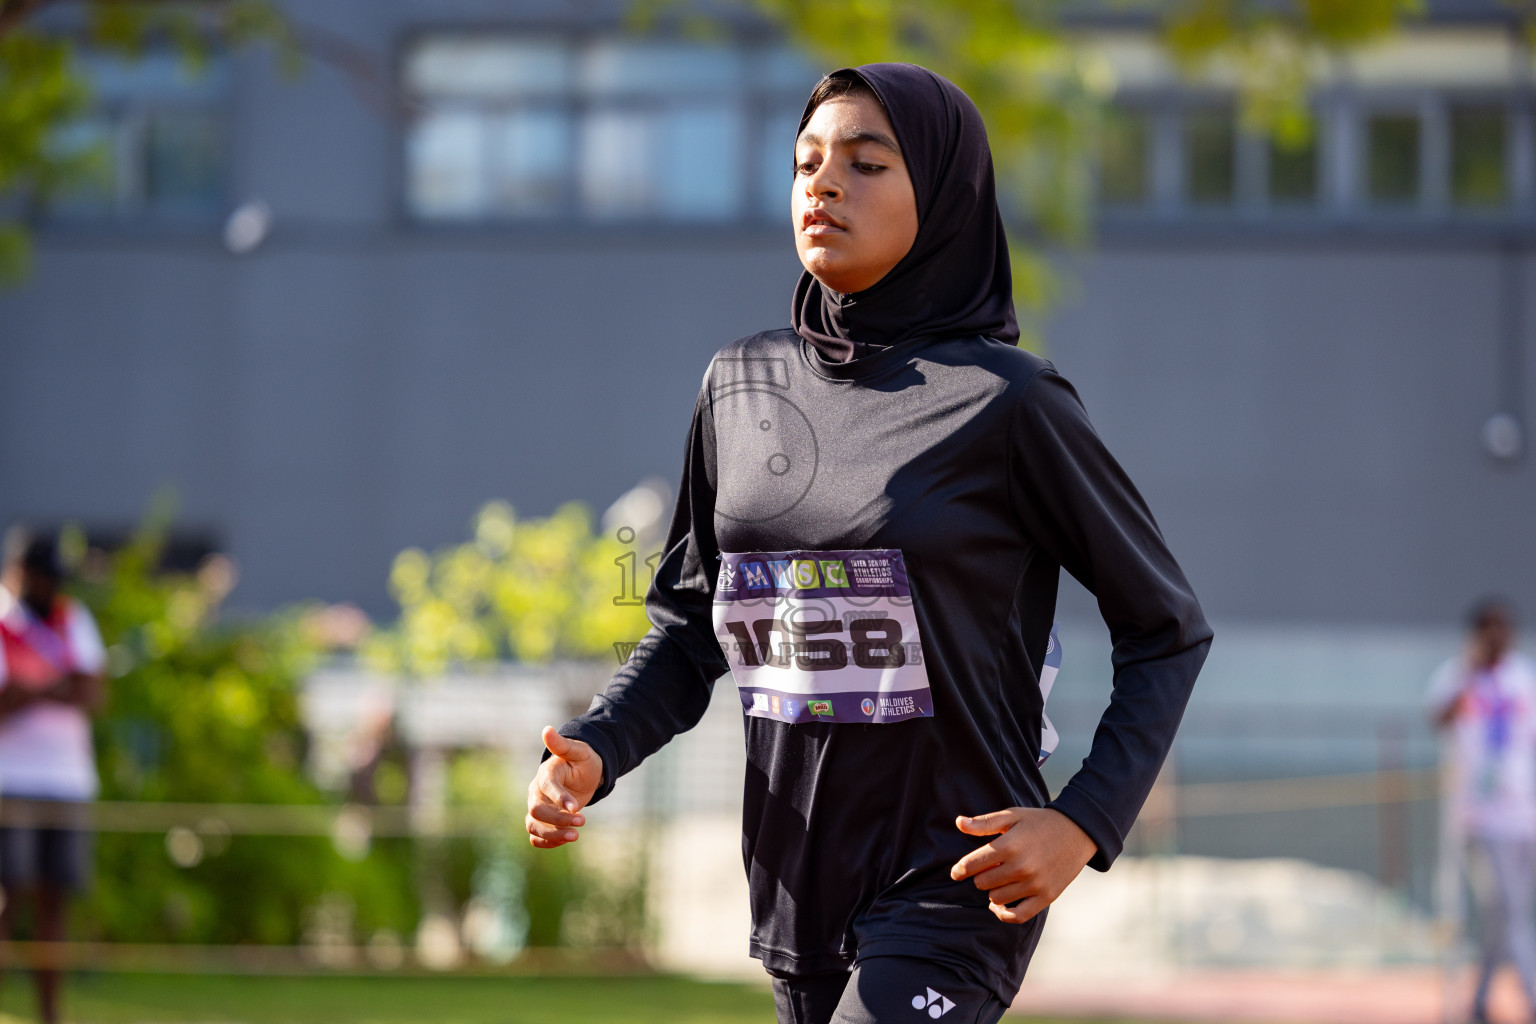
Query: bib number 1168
<point x="876" y="644"/>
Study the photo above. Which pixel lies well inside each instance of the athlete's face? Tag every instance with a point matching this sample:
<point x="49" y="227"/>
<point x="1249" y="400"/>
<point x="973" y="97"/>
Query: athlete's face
<point x="38" y="591"/>
<point x="1492" y="640"/>
<point x="855" y="214"/>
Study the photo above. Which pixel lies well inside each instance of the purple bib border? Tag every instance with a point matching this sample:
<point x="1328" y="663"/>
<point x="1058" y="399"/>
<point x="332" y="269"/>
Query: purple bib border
<point x="861" y="707"/>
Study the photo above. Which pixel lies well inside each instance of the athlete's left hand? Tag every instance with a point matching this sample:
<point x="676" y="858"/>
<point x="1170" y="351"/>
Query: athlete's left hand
<point x="1035" y="857"/>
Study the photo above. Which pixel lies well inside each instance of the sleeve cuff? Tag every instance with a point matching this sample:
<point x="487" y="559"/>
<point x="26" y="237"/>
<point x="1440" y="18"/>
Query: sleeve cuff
<point x="1092" y="819"/>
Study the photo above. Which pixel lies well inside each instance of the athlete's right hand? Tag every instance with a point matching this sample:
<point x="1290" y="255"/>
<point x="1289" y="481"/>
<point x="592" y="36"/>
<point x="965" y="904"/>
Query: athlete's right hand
<point x="560" y="789"/>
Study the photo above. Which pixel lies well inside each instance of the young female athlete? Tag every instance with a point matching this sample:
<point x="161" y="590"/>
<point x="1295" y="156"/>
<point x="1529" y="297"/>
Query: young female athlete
<point x="874" y="511"/>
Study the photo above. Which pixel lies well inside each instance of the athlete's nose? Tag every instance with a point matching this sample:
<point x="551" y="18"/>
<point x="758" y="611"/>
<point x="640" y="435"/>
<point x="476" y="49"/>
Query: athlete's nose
<point x="820" y="186"/>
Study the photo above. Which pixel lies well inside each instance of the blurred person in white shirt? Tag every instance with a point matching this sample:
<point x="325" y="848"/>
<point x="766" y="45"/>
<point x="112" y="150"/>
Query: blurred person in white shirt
<point x="1484" y="702"/>
<point x="51" y="681"/>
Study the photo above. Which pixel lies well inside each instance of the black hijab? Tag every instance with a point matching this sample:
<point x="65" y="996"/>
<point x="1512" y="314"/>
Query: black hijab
<point x="955" y="281"/>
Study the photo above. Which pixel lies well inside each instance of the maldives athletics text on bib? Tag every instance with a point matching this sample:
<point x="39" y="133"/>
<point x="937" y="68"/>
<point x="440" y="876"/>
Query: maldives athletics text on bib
<point x="822" y="636"/>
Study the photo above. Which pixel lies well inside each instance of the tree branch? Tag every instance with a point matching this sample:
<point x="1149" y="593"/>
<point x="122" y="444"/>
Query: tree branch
<point x="359" y="64"/>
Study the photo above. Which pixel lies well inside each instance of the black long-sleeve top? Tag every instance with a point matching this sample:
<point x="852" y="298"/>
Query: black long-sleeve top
<point x="976" y="460"/>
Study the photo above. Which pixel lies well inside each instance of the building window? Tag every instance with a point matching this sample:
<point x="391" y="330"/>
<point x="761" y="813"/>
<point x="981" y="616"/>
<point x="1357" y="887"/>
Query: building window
<point x="603" y="130"/>
<point x="1293" y="172"/>
<point x="1392" y="158"/>
<point x="1478" y="168"/>
<point x="153" y="144"/>
<point x="1125" y="147"/>
<point x="1210" y="166"/>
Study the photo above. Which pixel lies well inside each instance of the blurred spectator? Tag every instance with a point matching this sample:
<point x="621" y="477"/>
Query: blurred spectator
<point x="51" y="680"/>
<point x="374" y="738"/>
<point x="1485" y="702"/>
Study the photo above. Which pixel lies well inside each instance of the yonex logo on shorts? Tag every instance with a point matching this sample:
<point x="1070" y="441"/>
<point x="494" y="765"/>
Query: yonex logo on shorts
<point x="936" y="1005"/>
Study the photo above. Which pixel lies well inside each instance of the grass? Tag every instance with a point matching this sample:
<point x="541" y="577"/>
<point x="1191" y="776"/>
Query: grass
<point x="225" y="999"/>
<point x="399" y="999"/>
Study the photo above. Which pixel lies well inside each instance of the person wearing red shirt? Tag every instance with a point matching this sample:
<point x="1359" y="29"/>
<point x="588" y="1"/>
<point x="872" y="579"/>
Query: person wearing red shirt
<point x="51" y="681"/>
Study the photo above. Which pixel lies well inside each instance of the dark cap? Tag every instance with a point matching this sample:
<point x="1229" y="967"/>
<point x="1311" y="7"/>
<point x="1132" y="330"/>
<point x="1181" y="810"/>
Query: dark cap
<point x="1490" y="610"/>
<point x="34" y="552"/>
<point x="42" y="557"/>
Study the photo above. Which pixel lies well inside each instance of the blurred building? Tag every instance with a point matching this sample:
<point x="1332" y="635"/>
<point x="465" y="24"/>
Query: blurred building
<point x="486" y="250"/>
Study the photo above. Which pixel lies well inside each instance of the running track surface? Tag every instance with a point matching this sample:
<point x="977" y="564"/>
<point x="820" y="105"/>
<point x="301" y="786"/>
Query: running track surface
<point x="1407" y="996"/>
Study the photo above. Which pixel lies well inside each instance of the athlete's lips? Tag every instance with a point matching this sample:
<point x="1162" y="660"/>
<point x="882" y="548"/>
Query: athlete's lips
<point x="817" y="222"/>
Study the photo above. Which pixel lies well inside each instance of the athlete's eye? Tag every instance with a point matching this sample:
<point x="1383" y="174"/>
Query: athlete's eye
<point x="870" y="168"/>
<point x="806" y="167"/>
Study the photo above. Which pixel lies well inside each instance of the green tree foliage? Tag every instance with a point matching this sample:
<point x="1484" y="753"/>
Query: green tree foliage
<point x="220" y="694"/>
<point x="526" y="590"/>
<point x="1273" y="49"/>
<point x="38" y="93"/>
<point x="530" y="590"/>
<point x="205" y="710"/>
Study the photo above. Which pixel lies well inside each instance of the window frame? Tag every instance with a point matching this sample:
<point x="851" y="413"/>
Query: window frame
<point x="1263" y="148"/>
<point x="1144" y="108"/>
<point x="1421" y="108"/>
<point x="137" y="214"/>
<point x="1515" y="106"/>
<point x="1205" y="103"/>
<point x="757" y="105"/>
<point x="1342" y="198"/>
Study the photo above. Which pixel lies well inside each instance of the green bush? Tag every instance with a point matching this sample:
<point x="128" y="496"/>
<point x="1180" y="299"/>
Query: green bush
<point x="529" y="590"/>
<point x="204" y="709"/>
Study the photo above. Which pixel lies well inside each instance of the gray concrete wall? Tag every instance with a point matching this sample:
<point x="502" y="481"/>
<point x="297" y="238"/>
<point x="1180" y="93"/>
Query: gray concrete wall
<point x="1304" y="419"/>
<point x="322" y="407"/>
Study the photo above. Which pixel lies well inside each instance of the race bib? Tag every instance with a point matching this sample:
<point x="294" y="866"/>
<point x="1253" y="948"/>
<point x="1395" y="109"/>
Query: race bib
<point x="822" y="636"/>
<point x="830" y="636"/>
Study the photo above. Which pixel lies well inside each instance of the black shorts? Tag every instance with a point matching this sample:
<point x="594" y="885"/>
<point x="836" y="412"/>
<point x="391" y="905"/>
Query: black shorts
<point x="44" y="841"/>
<point x="884" y="990"/>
